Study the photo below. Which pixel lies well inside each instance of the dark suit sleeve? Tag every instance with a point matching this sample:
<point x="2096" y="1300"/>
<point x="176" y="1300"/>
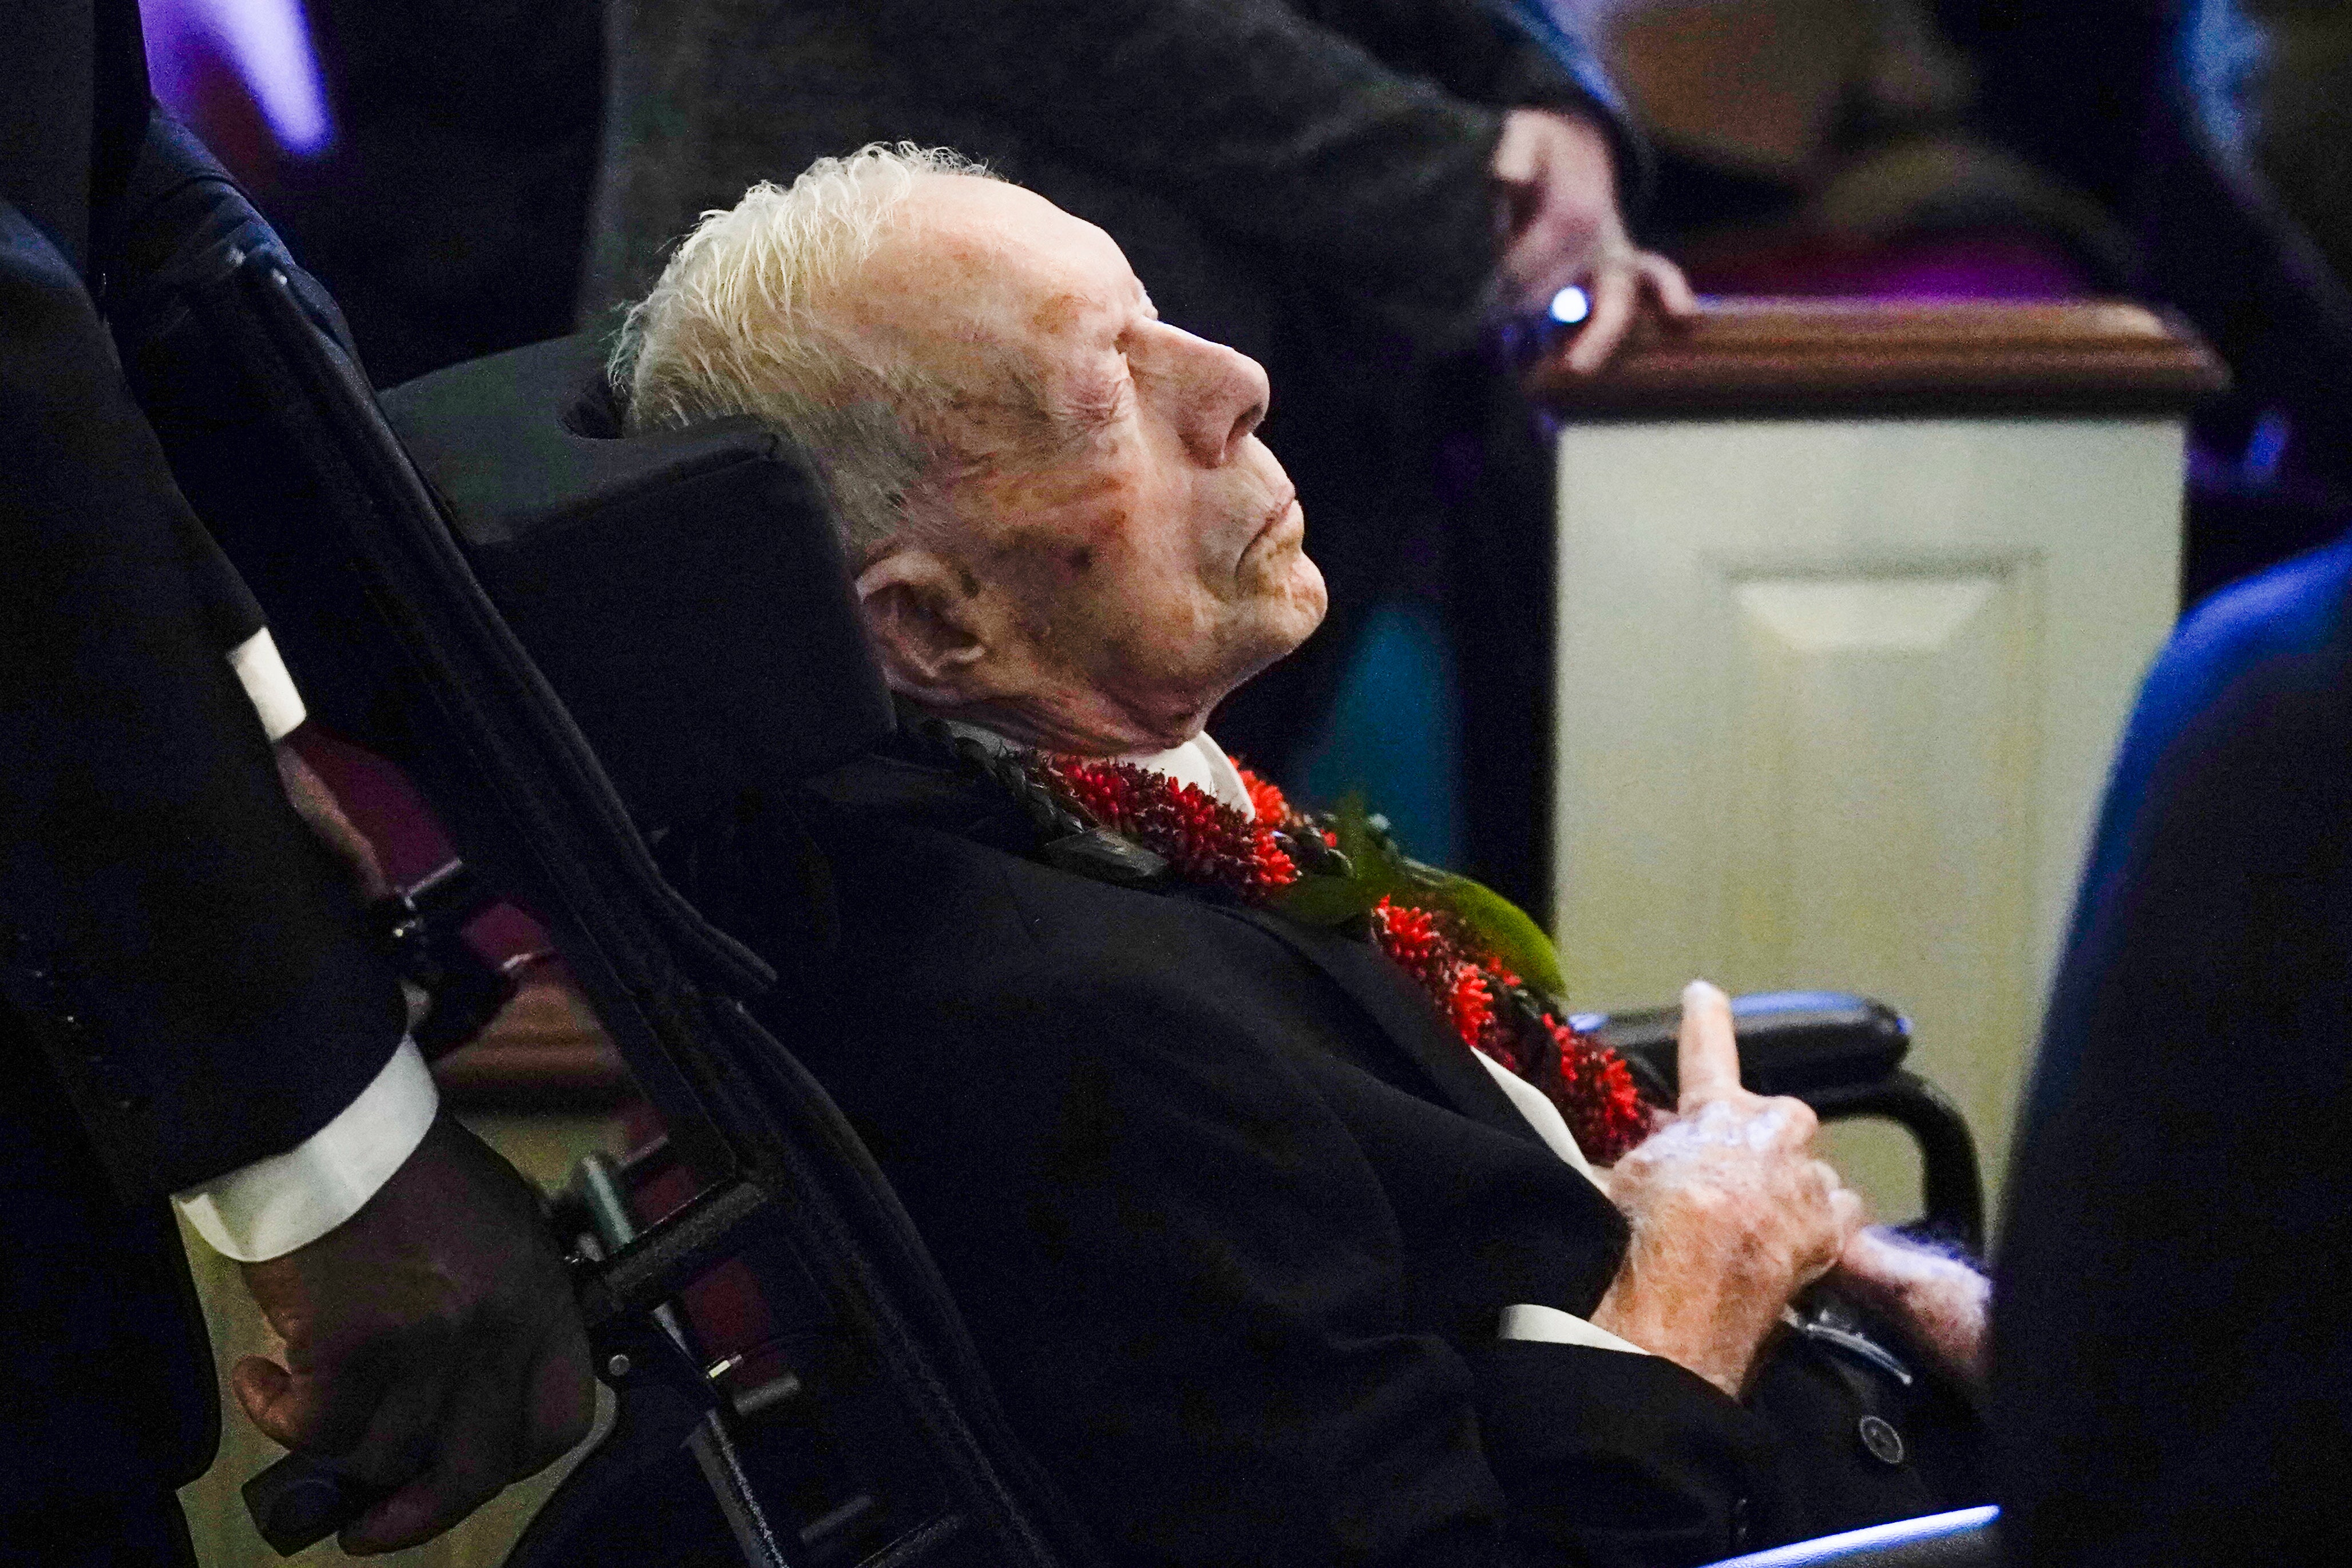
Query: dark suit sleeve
<point x="2171" y="1367"/>
<point x="1191" y="1284"/>
<point x="1512" y="53"/>
<point x="190" y="958"/>
<point x="1267" y="126"/>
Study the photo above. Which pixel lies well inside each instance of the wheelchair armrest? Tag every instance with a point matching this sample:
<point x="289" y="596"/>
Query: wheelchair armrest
<point x="1965" y="1538"/>
<point x="1843" y="1056"/>
<point x="1790" y="1042"/>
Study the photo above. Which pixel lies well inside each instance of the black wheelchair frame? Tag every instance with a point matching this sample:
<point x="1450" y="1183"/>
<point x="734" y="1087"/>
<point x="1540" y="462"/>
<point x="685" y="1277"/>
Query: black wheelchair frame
<point x="348" y="546"/>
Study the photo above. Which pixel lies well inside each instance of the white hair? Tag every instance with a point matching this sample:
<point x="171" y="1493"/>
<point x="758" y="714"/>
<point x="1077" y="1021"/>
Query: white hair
<point x="738" y="324"/>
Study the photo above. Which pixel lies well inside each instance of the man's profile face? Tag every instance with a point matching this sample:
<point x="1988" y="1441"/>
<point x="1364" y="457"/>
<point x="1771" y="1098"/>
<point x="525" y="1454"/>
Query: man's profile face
<point x="1144" y="547"/>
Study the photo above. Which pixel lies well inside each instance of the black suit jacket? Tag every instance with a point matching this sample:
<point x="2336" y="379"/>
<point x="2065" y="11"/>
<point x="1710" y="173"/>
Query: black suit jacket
<point x="2173" y="1332"/>
<point x="1233" y="1217"/>
<point x="185" y="982"/>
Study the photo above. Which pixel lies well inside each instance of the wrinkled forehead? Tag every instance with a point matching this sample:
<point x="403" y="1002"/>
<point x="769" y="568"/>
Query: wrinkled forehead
<point x="982" y="281"/>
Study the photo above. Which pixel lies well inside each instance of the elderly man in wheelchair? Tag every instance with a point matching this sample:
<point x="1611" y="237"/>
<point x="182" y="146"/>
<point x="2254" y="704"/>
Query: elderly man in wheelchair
<point x="1261" y="1185"/>
<point x="1292" y="1218"/>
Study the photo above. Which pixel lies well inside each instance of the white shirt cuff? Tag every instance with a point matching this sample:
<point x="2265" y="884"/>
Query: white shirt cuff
<point x="266" y="685"/>
<point x="270" y="1207"/>
<point x="1528" y="1320"/>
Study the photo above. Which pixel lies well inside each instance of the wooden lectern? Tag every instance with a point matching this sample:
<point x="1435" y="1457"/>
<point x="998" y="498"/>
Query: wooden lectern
<point x="1853" y="600"/>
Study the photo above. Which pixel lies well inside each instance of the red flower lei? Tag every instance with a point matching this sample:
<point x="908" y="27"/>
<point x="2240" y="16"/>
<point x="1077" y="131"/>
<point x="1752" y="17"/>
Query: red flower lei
<point x="1209" y="844"/>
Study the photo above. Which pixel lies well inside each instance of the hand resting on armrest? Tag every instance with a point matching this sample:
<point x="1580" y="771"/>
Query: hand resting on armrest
<point x="1732" y="1216"/>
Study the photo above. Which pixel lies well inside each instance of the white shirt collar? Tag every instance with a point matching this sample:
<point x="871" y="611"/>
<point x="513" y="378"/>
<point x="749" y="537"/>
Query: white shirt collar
<point x="1198" y="761"/>
<point x="1202" y="763"/>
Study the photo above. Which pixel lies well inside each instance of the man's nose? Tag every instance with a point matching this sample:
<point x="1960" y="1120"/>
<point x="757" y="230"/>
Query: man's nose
<point x="1226" y="394"/>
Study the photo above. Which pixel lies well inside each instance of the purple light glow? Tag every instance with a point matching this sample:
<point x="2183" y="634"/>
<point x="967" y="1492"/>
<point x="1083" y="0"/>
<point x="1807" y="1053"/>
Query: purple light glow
<point x="266" y="40"/>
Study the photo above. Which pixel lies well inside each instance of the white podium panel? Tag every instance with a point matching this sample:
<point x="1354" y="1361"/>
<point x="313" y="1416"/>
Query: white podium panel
<point x="1836" y="699"/>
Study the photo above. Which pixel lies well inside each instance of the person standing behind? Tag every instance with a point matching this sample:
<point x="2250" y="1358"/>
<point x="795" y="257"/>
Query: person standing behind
<point x="1346" y="191"/>
<point x="190" y="1002"/>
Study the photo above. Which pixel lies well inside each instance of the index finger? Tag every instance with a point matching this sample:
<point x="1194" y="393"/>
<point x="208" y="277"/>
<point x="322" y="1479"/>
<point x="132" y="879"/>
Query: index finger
<point x="1615" y="293"/>
<point x="302" y="1410"/>
<point x="1707" y="1052"/>
<point x="1668" y="284"/>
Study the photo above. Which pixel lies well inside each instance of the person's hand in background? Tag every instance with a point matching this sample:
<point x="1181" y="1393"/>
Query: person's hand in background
<point x="324" y="814"/>
<point x="1561" y="228"/>
<point x="432" y="1349"/>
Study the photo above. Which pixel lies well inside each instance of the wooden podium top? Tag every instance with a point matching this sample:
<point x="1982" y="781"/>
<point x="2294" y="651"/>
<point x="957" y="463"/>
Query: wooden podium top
<point x="1761" y="358"/>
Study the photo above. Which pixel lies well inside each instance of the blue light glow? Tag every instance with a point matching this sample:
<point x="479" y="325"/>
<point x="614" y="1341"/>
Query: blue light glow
<point x="1570" y="306"/>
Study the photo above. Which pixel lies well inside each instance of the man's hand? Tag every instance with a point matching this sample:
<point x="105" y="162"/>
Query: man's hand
<point x="1939" y="1304"/>
<point x="431" y="1344"/>
<point x="1560" y="226"/>
<point x="1731" y="1214"/>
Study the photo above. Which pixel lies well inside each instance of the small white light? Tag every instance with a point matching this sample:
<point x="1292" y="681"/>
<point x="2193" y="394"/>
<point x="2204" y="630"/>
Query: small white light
<point x="1569" y="306"/>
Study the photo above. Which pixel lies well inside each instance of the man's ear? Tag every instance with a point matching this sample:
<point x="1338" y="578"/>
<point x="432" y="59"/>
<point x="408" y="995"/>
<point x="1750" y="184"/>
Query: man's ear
<point x="923" y="618"/>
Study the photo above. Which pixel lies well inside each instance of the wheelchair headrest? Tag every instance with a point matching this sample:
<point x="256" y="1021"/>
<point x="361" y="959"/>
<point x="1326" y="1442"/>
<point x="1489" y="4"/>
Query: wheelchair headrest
<point x="685" y="592"/>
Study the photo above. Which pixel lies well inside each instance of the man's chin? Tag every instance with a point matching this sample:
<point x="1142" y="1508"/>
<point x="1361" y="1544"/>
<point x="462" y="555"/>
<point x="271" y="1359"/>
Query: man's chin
<point x="1306" y="603"/>
<point x="1288" y="622"/>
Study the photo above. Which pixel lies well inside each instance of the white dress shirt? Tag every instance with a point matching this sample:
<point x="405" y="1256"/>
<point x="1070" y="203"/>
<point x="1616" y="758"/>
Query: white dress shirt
<point x="270" y="1207"/>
